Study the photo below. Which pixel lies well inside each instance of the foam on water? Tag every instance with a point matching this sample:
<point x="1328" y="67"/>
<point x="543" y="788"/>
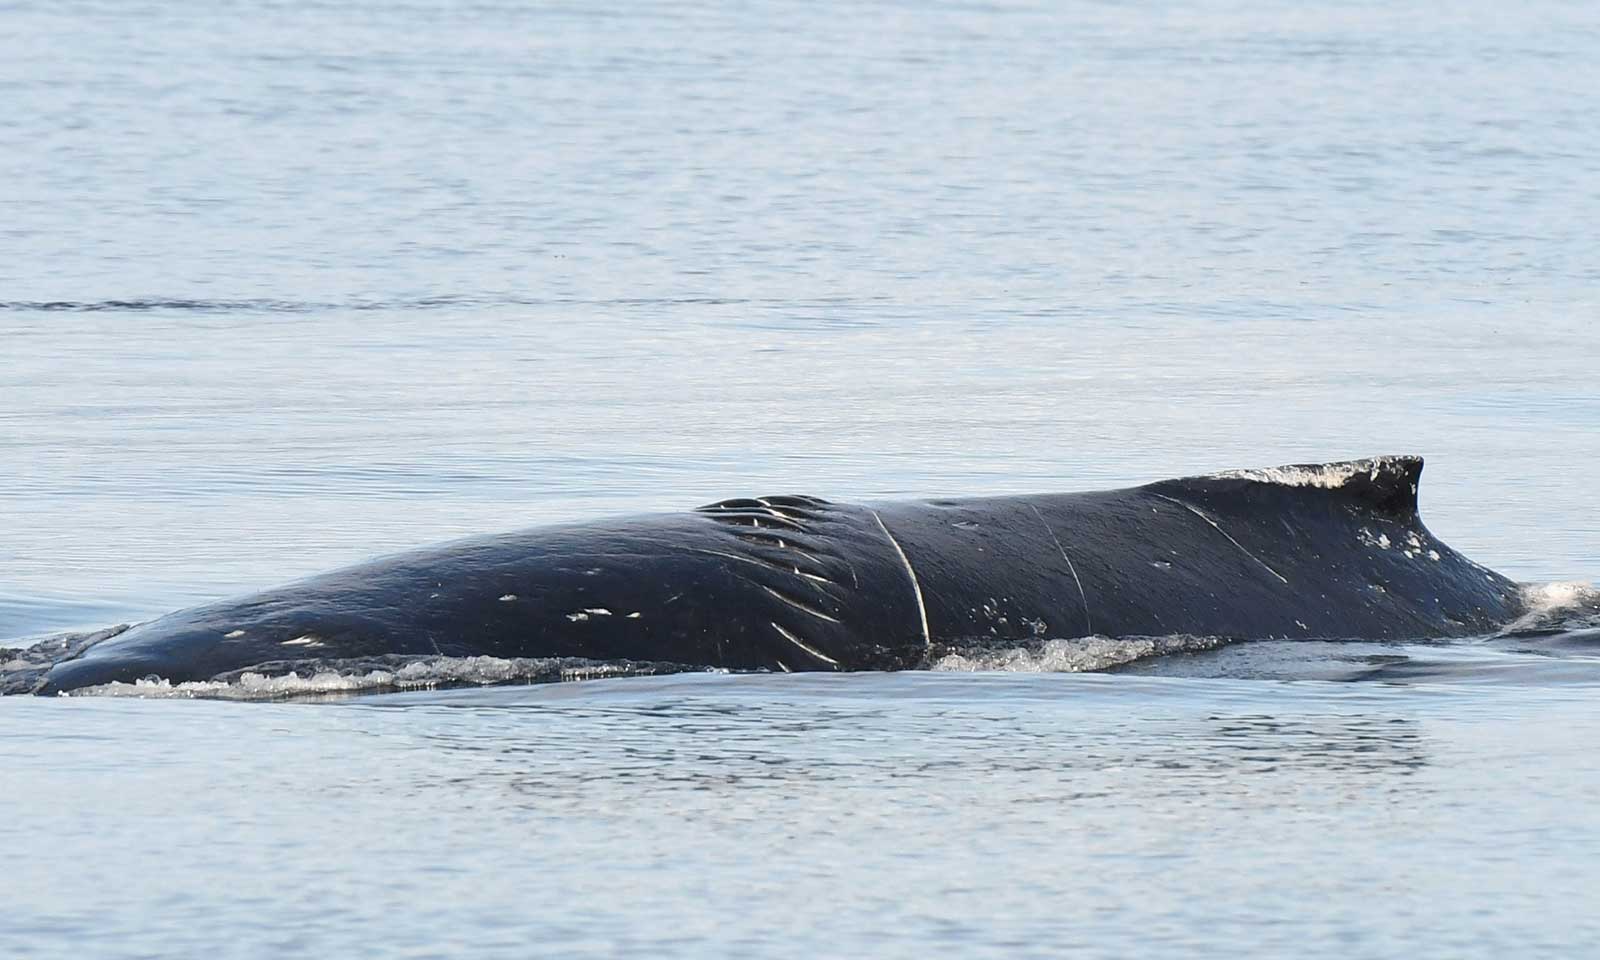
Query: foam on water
<point x="1073" y="655"/>
<point x="317" y="680"/>
<point x="1561" y="605"/>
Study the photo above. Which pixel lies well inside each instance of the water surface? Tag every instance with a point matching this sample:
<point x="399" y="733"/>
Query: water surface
<point x="284" y="286"/>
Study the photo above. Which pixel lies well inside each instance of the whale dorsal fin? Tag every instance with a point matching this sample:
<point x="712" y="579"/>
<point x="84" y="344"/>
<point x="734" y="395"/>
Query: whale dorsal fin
<point x="1386" y="485"/>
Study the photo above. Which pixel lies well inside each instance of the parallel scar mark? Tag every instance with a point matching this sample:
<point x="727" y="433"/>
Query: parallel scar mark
<point x="1088" y="623"/>
<point x="1217" y="527"/>
<point x="813" y="651"/>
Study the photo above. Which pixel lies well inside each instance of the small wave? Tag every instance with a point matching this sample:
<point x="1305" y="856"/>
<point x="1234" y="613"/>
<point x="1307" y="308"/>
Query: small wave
<point x="349" y="678"/>
<point x="1077" y="655"/>
<point x="166" y="304"/>
<point x="159" y="304"/>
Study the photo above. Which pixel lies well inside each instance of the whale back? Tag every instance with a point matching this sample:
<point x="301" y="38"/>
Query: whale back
<point x="797" y="583"/>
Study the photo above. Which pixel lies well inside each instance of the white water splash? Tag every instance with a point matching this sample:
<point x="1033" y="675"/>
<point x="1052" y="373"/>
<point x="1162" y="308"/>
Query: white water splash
<point x="1547" y="605"/>
<point x="419" y="675"/>
<point x="1077" y="655"/>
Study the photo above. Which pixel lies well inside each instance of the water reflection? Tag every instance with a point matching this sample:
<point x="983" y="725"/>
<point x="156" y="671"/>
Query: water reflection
<point x="1360" y="743"/>
<point x="619" y="756"/>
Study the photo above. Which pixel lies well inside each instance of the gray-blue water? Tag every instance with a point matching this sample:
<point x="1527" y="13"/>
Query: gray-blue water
<point x="285" y="285"/>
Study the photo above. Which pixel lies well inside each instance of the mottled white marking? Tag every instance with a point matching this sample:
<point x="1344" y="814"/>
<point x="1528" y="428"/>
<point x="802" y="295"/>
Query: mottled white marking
<point x="1329" y="476"/>
<point x="508" y="598"/>
<point x="1381" y="540"/>
<point x="634" y="615"/>
<point x="1434" y="556"/>
<point x="1217" y="527"/>
<point x="916" y="588"/>
<point x="303" y="641"/>
<point x="808" y="648"/>
<point x="232" y="634"/>
<point x="1301" y="625"/>
<point x="577" y="617"/>
<point x="783" y="666"/>
<point x="1088" y="624"/>
<point x="597" y="611"/>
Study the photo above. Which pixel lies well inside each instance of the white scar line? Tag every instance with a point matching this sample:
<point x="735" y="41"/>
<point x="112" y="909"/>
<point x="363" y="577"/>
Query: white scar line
<point x="802" y="607"/>
<point x="1088" y="624"/>
<point x="1215" y="526"/>
<point x="916" y="588"/>
<point x="808" y="648"/>
<point x="769" y="564"/>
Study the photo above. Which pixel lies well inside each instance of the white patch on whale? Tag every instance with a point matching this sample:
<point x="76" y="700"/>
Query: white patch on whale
<point x="1328" y="476"/>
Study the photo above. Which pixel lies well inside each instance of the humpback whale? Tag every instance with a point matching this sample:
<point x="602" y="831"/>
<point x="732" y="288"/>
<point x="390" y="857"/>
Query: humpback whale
<point x="794" y="583"/>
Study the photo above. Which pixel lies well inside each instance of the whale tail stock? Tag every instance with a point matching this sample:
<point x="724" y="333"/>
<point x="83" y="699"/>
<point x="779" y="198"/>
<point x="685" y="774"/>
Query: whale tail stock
<point x="23" y="669"/>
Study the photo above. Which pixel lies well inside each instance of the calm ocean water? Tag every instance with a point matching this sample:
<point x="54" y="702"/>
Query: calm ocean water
<point x="286" y="285"/>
